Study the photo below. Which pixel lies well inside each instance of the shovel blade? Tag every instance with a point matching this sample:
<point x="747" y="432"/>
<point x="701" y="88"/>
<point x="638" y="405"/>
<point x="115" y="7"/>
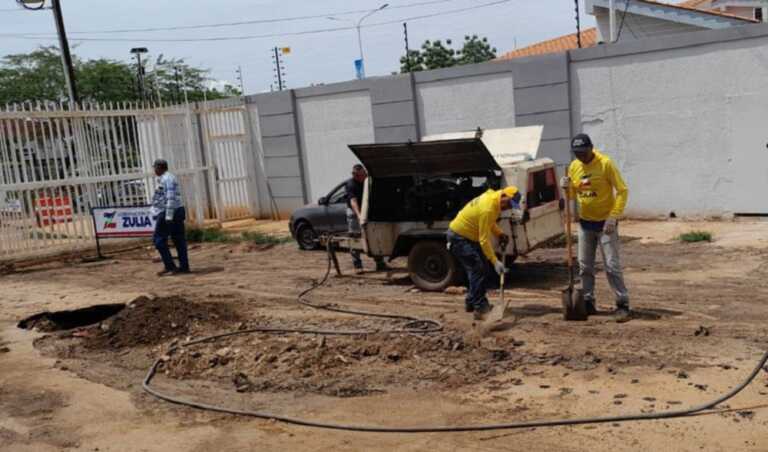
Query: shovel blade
<point x="574" y="307"/>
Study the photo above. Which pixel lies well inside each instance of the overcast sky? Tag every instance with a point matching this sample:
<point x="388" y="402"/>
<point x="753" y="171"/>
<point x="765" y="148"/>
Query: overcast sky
<point x="315" y="58"/>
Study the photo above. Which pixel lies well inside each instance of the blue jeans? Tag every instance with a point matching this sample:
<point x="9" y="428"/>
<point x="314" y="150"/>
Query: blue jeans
<point x="471" y="257"/>
<point x="175" y="230"/>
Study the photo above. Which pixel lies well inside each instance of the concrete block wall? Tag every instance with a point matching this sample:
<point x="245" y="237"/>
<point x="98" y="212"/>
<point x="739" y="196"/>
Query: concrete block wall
<point x="683" y="117"/>
<point x="542" y="97"/>
<point x="329" y="119"/>
<point x="686" y="132"/>
<point x="274" y="122"/>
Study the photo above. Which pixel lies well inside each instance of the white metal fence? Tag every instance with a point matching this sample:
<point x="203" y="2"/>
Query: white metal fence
<point x="56" y="164"/>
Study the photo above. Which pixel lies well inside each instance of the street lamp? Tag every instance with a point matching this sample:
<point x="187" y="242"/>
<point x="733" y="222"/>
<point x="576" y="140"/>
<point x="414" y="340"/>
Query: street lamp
<point x="139" y="69"/>
<point x="66" y="57"/>
<point x="361" y="68"/>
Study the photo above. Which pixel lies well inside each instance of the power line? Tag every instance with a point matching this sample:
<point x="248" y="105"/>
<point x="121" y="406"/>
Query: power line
<point x="271" y="35"/>
<point x="259" y="21"/>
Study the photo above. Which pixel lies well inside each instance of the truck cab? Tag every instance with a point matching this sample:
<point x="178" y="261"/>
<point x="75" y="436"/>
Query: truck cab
<point x="415" y="189"/>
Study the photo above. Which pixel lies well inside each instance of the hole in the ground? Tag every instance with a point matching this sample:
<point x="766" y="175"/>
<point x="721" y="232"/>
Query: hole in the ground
<point x="66" y="320"/>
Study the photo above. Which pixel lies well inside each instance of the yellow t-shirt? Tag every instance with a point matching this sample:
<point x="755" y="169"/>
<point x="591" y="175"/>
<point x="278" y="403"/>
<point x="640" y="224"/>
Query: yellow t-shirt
<point x="477" y="221"/>
<point x="594" y="185"/>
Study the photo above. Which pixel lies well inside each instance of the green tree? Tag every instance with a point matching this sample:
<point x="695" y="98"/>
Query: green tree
<point x="38" y="76"/>
<point x="105" y="81"/>
<point x="476" y="50"/>
<point x="435" y="55"/>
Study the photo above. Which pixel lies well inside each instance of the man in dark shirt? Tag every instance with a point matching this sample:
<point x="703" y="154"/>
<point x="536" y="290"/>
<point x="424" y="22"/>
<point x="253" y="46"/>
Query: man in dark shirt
<point x="354" y="187"/>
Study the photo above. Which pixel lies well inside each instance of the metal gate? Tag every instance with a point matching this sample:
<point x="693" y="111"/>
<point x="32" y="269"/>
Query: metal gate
<point x="56" y="163"/>
<point x="227" y="148"/>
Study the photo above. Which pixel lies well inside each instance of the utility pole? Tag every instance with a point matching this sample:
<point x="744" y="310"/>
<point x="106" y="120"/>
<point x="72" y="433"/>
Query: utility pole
<point x="240" y="78"/>
<point x="578" y="25"/>
<point x="278" y="68"/>
<point x="407" y="49"/>
<point x="66" y="56"/>
<point x="140" y="70"/>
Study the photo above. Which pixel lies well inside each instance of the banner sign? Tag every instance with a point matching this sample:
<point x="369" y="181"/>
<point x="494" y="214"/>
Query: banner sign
<point x="117" y="222"/>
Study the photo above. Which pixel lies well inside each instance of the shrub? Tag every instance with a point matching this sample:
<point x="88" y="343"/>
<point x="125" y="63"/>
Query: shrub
<point x="696" y="236"/>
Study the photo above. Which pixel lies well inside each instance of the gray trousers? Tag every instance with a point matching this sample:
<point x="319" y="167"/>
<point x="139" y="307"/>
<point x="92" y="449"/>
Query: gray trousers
<point x="589" y="241"/>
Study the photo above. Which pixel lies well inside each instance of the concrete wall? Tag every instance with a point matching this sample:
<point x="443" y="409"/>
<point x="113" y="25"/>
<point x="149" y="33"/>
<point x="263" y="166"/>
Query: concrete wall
<point x="452" y="103"/>
<point x="684" y="119"/>
<point x="281" y="150"/>
<point x="682" y="115"/>
<point x="327" y="124"/>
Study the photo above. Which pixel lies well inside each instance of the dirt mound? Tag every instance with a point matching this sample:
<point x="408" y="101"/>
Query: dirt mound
<point x="351" y="366"/>
<point x="148" y="321"/>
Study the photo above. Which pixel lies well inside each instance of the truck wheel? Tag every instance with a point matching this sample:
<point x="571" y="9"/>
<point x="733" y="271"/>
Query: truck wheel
<point x="431" y="266"/>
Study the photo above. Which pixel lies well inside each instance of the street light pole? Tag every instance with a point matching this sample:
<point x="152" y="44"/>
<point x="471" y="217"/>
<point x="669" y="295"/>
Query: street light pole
<point x="140" y="69"/>
<point x="358" y="25"/>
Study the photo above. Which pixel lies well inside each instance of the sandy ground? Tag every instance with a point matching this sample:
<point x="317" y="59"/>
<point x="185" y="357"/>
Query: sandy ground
<point x="65" y="392"/>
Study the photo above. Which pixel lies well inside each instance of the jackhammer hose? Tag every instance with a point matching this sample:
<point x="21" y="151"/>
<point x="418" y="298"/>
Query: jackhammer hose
<point x="413" y="325"/>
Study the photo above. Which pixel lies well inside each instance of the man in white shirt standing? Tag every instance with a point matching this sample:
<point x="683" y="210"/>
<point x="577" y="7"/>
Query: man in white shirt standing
<point x="169" y="213"/>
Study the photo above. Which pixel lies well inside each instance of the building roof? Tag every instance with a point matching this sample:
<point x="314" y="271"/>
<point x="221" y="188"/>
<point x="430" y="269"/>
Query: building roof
<point x="697" y="6"/>
<point x="555" y="45"/>
<point x="589" y="36"/>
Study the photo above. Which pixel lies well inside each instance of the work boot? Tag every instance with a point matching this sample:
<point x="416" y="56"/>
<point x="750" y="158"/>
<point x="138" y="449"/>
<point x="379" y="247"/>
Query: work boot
<point x="359" y="270"/>
<point x="167" y="272"/>
<point x="622" y="314"/>
<point x="469" y="307"/>
<point x="591" y="306"/>
<point x="182" y="271"/>
<point x="482" y="312"/>
<point x="382" y="267"/>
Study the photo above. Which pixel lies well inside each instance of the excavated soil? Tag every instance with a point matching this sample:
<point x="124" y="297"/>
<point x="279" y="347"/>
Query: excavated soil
<point x="355" y="366"/>
<point x="699" y="325"/>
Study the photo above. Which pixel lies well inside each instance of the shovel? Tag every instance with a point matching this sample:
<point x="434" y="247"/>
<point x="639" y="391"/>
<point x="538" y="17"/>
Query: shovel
<point x="498" y="314"/>
<point x="574" y="307"/>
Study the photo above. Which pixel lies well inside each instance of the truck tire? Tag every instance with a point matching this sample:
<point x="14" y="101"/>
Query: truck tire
<point x="431" y="266"/>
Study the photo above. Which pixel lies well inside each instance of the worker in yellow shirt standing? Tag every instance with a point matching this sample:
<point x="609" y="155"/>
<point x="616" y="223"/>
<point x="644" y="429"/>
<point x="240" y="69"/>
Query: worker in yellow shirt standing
<point x="601" y="195"/>
<point x="469" y="239"/>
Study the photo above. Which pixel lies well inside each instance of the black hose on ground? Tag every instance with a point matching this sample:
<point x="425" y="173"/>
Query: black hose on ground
<point x="413" y="325"/>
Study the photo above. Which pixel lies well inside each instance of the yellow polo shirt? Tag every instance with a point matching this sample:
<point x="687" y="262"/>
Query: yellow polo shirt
<point x="598" y="187"/>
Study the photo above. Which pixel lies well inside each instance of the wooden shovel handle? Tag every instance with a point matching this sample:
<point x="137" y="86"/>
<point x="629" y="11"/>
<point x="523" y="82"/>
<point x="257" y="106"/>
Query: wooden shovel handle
<point x="568" y="240"/>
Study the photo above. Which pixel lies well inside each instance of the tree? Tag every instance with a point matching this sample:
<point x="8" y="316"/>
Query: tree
<point x="435" y="55"/>
<point x="38" y="76"/>
<point x="476" y="50"/>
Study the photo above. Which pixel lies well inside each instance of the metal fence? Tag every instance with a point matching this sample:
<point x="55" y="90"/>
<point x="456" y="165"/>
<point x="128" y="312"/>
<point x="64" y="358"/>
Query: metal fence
<point x="57" y="163"/>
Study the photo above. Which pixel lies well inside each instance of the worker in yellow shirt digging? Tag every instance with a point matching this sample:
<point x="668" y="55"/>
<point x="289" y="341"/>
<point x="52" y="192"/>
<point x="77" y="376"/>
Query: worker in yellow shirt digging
<point x="469" y="240"/>
<point x="601" y="195"/>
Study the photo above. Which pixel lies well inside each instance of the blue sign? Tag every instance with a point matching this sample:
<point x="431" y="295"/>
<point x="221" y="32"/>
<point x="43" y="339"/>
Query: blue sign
<point x="359" y="69"/>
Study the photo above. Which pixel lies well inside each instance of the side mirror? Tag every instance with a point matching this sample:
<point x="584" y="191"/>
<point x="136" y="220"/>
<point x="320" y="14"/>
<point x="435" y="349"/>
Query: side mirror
<point x="323" y="201"/>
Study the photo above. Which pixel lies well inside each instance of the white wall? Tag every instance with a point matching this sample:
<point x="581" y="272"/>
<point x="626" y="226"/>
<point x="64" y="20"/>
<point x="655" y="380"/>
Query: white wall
<point x="328" y="124"/>
<point x="462" y="104"/>
<point x="687" y="127"/>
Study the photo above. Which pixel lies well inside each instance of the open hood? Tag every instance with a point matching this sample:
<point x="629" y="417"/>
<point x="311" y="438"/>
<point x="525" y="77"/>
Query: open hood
<point x="507" y="146"/>
<point x="426" y="158"/>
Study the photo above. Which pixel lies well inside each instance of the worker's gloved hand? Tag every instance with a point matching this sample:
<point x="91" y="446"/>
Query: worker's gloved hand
<point x="499" y="267"/>
<point x="168" y="215"/>
<point x="610" y="226"/>
<point x="565" y="182"/>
